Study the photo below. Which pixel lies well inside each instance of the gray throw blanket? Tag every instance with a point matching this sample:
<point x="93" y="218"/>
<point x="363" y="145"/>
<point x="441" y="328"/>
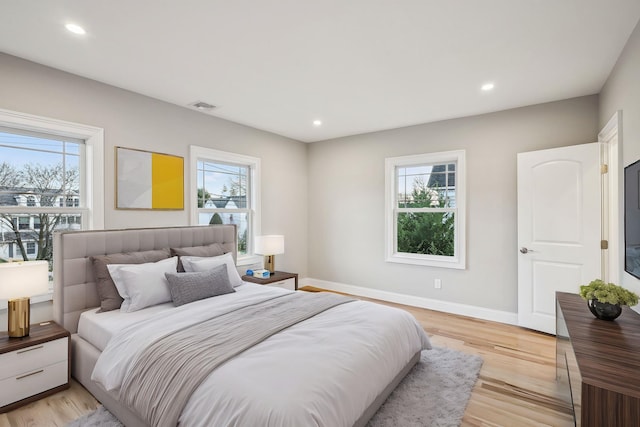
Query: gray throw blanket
<point x="163" y="377"/>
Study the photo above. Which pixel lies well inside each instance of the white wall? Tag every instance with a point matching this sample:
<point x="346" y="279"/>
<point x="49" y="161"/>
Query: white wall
<point x="346" y="200"/>
<point x="622" y="92"/>
<point x="136" y="121"/>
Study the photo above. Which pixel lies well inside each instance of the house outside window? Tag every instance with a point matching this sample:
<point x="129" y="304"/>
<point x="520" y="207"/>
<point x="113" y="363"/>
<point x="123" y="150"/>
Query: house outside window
<point x="43" y="163"/>
<point x="23" y="222"/>
<point x="36" y="171"/>
<point x="226" y="190"/>
<point x="425" y="209"/>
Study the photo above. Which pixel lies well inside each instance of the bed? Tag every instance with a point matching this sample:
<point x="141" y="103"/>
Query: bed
<point x="334" y="368"/>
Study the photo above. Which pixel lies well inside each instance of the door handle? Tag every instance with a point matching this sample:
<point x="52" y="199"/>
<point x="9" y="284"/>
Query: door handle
<point x="525" y="250"/>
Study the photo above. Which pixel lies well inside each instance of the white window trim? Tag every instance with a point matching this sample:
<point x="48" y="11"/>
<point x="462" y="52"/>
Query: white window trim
<point x="196" y="152"/>
<point x="93" y="176"/>
<point x="458" y="261"/>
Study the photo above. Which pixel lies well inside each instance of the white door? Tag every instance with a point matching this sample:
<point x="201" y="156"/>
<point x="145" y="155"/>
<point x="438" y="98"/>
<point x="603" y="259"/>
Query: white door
<point x="559" y="228"/>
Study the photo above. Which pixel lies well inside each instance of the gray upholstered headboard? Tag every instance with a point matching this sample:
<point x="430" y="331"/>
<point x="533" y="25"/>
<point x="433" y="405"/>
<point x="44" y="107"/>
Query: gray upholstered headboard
<point x="74" y="284"/>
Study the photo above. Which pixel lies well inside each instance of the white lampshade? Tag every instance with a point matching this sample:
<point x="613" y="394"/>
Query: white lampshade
<point x="270" y="245"/>
<point x="23" y="279"/>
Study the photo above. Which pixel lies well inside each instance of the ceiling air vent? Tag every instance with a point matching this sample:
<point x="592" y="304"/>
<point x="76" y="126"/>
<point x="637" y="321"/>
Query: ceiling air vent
<point x="202" y="106"/>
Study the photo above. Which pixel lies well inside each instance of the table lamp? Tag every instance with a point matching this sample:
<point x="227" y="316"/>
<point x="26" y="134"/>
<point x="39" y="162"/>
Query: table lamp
<point x="18" y="282"/>
<point x="269" y="246"/>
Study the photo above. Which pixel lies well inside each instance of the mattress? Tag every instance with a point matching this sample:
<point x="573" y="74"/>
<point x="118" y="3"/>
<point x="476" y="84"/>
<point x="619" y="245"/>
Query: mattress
<point x="98" y="328"/>
<point x="326" y="370"/>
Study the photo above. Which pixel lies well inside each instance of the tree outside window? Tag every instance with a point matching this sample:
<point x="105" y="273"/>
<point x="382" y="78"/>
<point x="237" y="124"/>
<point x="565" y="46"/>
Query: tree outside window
<point x="39" y="174"/>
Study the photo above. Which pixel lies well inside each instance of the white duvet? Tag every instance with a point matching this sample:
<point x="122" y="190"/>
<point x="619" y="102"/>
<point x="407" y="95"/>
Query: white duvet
<point x="324" y="371"/>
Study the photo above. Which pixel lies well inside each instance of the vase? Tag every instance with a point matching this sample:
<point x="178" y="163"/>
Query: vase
<point x="604" y="310"/>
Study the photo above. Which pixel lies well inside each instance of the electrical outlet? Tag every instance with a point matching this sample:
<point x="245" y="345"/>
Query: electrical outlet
<point x="437" y="283"/>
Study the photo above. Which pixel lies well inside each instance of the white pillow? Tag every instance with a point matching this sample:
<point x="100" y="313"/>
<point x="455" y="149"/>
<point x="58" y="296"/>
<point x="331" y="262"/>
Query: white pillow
<point x="143" y="285"/>
<point x="198" y="263"/>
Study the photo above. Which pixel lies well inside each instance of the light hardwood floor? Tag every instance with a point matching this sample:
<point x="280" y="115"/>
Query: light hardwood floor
<point x="516" y="386"/>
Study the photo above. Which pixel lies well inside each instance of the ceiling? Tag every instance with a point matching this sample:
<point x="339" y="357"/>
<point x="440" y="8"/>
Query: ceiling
<point x="357" y="65"/>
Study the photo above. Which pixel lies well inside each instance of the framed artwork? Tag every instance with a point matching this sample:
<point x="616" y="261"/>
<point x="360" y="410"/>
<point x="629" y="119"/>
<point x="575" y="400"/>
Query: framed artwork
<point x="148" y="180"/>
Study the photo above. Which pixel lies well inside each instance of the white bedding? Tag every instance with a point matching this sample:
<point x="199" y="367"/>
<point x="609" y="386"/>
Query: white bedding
<point x="324" y="371"/>
<point x="98" y="328"/>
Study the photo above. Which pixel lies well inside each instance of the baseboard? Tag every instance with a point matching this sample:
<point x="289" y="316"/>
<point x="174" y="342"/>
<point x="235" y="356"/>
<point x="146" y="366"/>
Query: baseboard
<point x="428" y="303"/>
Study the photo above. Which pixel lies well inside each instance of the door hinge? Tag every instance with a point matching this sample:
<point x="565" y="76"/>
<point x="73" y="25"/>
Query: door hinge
<point x="604" y="244"/>
<point x="604" y="169"/>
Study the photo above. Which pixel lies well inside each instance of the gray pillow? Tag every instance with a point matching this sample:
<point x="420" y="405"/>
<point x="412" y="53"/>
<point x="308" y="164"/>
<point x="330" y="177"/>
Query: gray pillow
<point x="213" y="249"/>
<point x="110" y="299"/>
<point x="189" y="287"/>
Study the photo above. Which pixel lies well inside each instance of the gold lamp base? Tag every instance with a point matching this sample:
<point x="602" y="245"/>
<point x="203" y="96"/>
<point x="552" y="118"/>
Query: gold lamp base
<point x="270" y="263"/>
<point x="18" y="314"/>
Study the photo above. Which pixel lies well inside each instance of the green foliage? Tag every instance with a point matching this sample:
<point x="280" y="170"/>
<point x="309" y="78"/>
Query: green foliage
<point x="608" y="292"/>
<point x="242" y="243"/>
<point x="428" y="233"/>
<point x="215" y="219"/>
<point x="203" y="196"/>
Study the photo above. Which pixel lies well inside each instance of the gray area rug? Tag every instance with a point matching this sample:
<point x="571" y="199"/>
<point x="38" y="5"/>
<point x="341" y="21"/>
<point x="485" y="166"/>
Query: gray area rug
<point x="434" y="394"/>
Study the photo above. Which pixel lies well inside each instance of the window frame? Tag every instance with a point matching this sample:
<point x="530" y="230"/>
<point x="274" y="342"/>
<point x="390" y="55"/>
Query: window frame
<point x="253" y="212"/>
<point x="92" y="174"/>
<point x="458" y="260"/>
<point x="91" y="177"/>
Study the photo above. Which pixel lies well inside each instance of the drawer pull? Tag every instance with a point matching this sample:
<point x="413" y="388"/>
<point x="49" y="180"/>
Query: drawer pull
<point x="29" y="349"/>
<point x="28" y="375"/>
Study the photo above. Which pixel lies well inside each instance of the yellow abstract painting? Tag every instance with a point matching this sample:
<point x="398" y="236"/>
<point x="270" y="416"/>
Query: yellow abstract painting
<point x="147" y="180"/>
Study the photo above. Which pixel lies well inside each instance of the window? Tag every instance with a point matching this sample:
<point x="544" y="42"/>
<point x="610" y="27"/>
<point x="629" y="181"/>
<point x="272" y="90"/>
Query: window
<point x="425" y="209"/>
<point x="226" y="191"/>
<point x="73" y="202"/>
<point x="43" y="163"/>
<point x="23" y="222"/>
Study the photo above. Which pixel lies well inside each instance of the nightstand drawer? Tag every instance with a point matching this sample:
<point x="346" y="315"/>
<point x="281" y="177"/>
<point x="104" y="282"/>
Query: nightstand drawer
<point x="30" y="383"/>
<point x="34" y="357"/>
<point x="285" y="284"/>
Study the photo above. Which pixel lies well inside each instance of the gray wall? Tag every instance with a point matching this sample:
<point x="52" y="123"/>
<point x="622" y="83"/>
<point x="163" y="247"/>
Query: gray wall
<point x="136" y="121"/>
<point x="622" y="92"/>
<point x="327" y="198"/>
<point x="346" y="203"/>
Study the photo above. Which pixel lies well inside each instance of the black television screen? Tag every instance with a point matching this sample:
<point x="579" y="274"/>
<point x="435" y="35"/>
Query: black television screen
<point x="632" y="219"/>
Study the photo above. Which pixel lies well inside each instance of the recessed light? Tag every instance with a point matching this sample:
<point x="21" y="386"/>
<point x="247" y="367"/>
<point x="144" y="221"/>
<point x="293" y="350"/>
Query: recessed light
<point x="317" y="122"/>
<point x="487" y="87"/>
<point x="75" y="29"/>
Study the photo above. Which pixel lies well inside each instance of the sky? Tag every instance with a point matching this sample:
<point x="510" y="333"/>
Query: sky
<point x="19" y="150"/>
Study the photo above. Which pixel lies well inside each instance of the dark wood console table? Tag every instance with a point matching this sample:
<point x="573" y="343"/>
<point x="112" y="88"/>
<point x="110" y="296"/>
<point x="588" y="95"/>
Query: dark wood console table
<point x="598" y="363"/>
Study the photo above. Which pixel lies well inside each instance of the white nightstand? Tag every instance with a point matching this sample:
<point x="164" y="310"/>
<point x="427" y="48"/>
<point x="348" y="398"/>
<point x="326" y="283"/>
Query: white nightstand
<point x="34" y="366"/>
<point x="279" y="279"/>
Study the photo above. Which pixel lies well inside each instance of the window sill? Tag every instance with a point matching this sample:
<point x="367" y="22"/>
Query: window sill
<point x="34" y="300"/>
<point x="248" y="260"/>
<point x="432" y="261"/>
